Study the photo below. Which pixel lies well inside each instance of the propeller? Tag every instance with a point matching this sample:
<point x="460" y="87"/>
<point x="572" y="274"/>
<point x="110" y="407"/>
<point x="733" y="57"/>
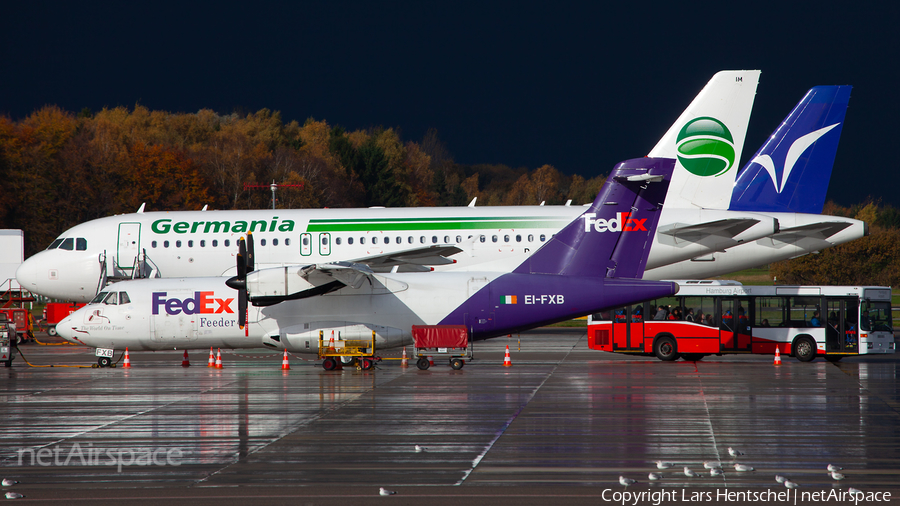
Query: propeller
<point x="244" y="265"/>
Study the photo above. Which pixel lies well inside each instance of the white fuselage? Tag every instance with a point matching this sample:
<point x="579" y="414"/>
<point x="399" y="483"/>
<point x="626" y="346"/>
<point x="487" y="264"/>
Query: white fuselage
<point x="204" y="243"/>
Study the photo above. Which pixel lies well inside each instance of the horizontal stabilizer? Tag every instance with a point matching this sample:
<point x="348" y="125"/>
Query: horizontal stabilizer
<point x="822" y="230"/>
<point x="721" y="228"/>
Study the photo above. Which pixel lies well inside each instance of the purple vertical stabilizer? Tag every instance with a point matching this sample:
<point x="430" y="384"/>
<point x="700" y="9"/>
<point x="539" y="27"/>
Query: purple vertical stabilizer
<point x="612" y="237"/>
<point x="590" y="265"/>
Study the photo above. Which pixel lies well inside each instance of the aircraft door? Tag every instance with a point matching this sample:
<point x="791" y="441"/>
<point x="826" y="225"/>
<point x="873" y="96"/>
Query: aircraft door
<point x="306" y="244"/>
<point x="129" y="244"/>
<point x="324" y="244"/>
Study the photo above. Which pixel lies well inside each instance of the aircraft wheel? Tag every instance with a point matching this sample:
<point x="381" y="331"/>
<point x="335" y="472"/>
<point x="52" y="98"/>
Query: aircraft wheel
<point x="666" y="349"/>
<point x="423" y="364"/>
<point x="329" y="364"/>
<point x="805" y="349"/>
<point x="457" y="363"/>
<point x="52" y="331"/>
<point x="104" y="361"/>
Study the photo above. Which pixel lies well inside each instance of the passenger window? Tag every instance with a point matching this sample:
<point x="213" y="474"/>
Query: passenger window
<point x="124" y="298"/>
<point x="349" y="240"/>
<point x="305" y="241"/>
<point x="458" y="239"/>
<point x="482" y="238"/>
<point x="202" y="243"/>
<point x="152" y="244"/>
<point x="190" y="244"/>
<point x="337" y="240"/>
<point x="530" y="238"/>
<point x="177" y="244"/>
<point x="410" y="239"/>
<point x="81" y="244"/>
<point x="505" y="238"/>
<point x="375" y="240"/>
<point x="287" y="242"/>
<point x="215" y="243"/>
<point x="54" y="244"/>
<point x="543" y="237"/>
<point x="518" y="238"/>
<point x="494" y="238"/>
<point x="399" y="240"/>
<point x="165" y="244"/>
<point x="262" y="242"/>
<point x="362" y="240"/>
<point x="67" y="244"/>
<point x="422" y="239"/>
<point x="446" y="239"/>
<point x="227" y="243"/>
<point x="274" y="242"/>
<point x="434" y="239"/>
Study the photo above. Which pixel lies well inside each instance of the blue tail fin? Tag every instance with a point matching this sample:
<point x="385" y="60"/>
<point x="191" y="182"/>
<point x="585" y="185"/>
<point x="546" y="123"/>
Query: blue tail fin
<point x="790" y="172"/>
<point x="612" y="238"/>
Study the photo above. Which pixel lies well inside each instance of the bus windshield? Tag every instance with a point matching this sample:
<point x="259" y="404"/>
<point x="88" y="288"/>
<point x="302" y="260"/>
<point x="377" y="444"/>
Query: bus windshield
<point x="876" y="316"/>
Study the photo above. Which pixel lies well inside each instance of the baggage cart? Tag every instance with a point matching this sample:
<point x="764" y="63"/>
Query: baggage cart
<point x="449" y="341"/>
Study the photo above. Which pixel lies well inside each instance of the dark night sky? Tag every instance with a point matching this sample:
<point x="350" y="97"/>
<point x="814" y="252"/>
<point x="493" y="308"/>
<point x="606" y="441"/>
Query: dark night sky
<point x="580" y="86"/>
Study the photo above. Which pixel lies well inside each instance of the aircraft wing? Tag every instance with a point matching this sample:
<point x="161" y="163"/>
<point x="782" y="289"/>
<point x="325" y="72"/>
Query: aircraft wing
<point x="411" y="260"/>
<point x="821" y="230"/>
<point x="721" y="228"/>
<point x="278" y="284"/>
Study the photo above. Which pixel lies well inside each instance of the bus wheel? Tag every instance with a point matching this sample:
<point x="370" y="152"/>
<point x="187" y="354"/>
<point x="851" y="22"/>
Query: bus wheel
<point x="833" y="358"/>
<point x="805" y="349"/>
<point x="692" y="357"/>
<point x="666" y="349"/>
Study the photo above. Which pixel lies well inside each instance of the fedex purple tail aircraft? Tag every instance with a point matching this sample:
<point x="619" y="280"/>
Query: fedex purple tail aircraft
<point x="593" y="263"/>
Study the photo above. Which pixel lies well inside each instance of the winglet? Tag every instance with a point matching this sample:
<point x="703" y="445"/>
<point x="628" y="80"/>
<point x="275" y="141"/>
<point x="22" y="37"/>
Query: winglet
<point x="141" y="209"/>
<point x="472" y="204"/>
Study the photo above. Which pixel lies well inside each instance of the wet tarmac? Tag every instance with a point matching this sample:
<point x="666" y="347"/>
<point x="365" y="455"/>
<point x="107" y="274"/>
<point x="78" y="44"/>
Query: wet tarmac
<point x="562" y="424"/>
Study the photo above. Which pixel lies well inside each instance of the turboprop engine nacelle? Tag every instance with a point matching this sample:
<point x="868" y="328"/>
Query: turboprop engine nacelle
<point x="278" y="281"/>
<point x="305" y="338"/>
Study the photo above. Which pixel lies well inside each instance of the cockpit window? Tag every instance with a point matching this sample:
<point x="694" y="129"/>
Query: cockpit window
<point x="67" y="244"/>
<point x="112" y="299"/>
<point x="81" y="244"/>
<point x="99" y="298"/>
<point x="123" y="298"/>
<point x="54" y="244"/>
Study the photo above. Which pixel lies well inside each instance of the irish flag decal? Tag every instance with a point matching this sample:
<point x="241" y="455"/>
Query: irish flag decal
<point x="507" y="299"/>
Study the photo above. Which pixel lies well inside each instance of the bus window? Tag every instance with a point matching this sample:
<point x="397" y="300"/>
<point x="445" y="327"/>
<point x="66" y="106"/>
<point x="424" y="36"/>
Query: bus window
<point x="876" y="316"/>
<point x="769" y="312"/>
<point x="603" y="316"/>
<point x="663" y="308"/>
<point x="637" y="313"/>
<point x="801" y="311"/>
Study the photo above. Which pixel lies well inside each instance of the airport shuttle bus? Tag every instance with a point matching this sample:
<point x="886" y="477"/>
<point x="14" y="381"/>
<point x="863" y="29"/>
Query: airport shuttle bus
<point x="719" y="317"/>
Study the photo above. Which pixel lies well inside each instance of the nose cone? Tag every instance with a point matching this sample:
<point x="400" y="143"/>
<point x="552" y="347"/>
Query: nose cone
<point x="61" y="274"/>
<point x="65" y="327"/>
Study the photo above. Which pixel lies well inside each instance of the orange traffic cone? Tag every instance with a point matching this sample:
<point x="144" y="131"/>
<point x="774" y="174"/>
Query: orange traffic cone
<point x="777" y="355"/>
<point x="219" y="359"/>
<point x="285" y="365"/>
<point x="185" y="362"/>
<point x="404" y="362"/>
<point x="212" y="359"/>
<point x="507" y="362"/>
<point x="331" y="341"/>
<point x="127" y="364"/>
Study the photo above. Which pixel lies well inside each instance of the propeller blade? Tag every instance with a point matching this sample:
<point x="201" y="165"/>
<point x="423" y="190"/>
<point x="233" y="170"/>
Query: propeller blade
<point x="242" y="308"/>
<point x="251" y="257"/>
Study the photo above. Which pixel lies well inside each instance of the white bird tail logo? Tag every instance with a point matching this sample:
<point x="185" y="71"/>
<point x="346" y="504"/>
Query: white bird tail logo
<point x="797" y="148"/>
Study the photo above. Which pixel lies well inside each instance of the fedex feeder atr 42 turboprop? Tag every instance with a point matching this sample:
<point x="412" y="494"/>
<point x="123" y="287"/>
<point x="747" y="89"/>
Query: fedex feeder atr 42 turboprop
<point x="715" y="222"/>
<point x="592" y="263"/>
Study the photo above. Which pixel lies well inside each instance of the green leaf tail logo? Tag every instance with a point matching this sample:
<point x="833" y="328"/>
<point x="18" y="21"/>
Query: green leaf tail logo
<point x="705" y="147"/>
